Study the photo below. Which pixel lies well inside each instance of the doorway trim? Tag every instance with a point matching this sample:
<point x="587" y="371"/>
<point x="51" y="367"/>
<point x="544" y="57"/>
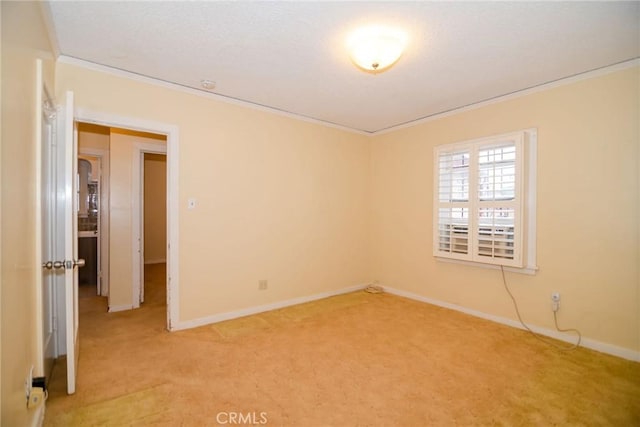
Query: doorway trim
<point x="45" y="339"/>
<point x="103" y="223"/>
<point x="172" y="133"/>
<point x="137" y="213"/>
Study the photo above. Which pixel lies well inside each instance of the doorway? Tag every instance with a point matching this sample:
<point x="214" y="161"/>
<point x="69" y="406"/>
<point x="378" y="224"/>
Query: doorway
<point x="154" y="224"/>
<point x="89" y="219"/>
<point x="171" y="141"/>
<point x="93" y="210"/>
<point x="121" y="202"/>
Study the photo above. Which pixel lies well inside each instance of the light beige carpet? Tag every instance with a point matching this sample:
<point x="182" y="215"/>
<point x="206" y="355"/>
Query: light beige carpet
<point x="352" y="360"/>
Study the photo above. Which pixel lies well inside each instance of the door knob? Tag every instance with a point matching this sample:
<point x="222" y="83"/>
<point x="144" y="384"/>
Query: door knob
<point x="49" y="265"/>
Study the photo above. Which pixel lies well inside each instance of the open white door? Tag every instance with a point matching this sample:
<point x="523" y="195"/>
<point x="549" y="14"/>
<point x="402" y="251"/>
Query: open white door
<point x="69" y="140"/>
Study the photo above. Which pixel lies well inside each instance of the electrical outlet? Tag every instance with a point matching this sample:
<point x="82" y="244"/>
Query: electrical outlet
<point x="555" y="301"/>
<point x="262" y="285"/>
<point x="36" y="397"/>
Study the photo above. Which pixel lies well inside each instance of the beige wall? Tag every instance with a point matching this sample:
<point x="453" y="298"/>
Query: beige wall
<point x="23" y="40"/>
<point x="93" y="136"/>
<point x="120" y="268"/>
<point x="588" y="151"/>
<point x="122" y="144"/>
<point x="277" y="198"/>
<point x="155" y="208"/>
<point x="312" y="209"/>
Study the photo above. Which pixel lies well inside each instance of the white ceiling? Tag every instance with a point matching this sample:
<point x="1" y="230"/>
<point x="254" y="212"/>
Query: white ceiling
<point x="291" y="56"/>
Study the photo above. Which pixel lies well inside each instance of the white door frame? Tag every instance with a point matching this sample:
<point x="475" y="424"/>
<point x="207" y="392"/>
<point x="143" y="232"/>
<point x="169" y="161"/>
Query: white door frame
<point x="67" y="133"/>
<point x="46" y="289"/>
<point x="172" y="134"/>
<point x="137" y="212"/>
<point x="103" y="218"/>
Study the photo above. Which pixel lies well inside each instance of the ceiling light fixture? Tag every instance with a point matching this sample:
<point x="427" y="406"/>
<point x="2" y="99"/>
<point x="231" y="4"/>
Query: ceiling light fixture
<point x="376" y="48"/>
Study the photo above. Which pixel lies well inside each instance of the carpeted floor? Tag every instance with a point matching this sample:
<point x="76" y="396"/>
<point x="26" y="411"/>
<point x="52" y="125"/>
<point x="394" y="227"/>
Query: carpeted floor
<point x="353" y="360"/>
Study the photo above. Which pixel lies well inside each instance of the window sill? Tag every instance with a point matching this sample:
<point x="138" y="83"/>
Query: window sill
<point x="530" y="270"/>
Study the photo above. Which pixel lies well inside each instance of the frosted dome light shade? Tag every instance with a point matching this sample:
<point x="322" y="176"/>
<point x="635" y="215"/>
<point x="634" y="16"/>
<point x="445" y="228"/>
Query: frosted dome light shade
<point x="376" y="48"/>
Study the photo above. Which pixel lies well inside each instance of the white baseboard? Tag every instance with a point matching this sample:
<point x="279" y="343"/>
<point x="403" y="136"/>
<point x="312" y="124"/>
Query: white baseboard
<point x="155" y="261"/>
<point x="115" y="308"/>
<point x="611" y="349"/>
<point x="194" y="323"/>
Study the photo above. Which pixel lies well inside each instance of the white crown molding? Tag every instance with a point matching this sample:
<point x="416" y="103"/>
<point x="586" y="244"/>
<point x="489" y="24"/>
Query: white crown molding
<point x="221" y="98"/>
<point x="517" y="94"/>
<point x="602" y="347"/>
<point x="168" y="85"/>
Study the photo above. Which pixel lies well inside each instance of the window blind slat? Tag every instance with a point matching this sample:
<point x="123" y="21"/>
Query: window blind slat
<point x="453" y="176"/>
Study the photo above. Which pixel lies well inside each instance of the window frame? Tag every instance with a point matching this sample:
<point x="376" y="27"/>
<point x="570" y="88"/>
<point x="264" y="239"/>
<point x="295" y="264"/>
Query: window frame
<point x="524" y="207"/>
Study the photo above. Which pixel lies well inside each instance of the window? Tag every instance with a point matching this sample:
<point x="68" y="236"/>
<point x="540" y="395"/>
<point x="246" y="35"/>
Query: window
<point x="484" y="200"/>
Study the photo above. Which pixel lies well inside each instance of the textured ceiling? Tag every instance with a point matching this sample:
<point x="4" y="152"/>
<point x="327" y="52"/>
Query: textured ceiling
<point x="291" y="56"/>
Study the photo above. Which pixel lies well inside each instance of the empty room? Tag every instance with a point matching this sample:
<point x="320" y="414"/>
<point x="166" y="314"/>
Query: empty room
<point x="320" y="213"/>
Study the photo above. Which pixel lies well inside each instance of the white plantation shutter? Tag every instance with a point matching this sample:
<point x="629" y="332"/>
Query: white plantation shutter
<point x="453" y="203"/>
<point x="499" y="202"/>
<point x="479" y="200"/>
